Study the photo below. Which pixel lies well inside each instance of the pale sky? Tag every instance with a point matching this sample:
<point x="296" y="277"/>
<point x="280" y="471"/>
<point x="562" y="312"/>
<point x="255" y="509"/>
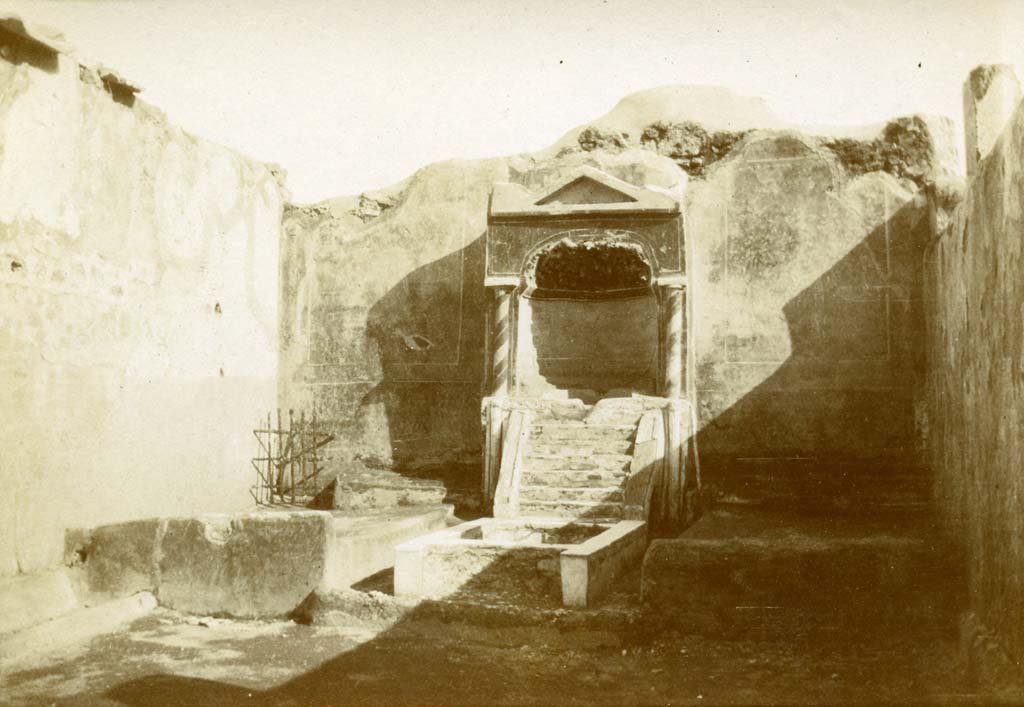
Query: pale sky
<point x="350" y="96"/>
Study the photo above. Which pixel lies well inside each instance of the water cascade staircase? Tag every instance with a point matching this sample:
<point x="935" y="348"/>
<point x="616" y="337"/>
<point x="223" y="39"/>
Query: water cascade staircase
<point x="583" y="463"/>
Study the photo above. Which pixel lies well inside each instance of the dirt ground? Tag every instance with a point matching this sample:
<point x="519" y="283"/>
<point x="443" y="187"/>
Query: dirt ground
<point x="615" y="655"/>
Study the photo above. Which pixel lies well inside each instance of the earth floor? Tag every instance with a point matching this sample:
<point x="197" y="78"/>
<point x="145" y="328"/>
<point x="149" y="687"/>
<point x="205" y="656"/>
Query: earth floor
<point x="613" y="656"/>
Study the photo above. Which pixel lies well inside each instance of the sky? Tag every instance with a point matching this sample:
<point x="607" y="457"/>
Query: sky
<point x="350" y="96"/>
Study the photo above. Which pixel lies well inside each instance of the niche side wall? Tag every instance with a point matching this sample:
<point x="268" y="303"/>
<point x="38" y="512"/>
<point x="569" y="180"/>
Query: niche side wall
<point x="138" y="310"/>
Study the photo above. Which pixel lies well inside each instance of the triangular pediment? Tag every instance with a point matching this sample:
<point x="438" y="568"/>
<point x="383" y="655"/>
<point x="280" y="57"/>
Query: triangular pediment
<point x="586" y="190"/>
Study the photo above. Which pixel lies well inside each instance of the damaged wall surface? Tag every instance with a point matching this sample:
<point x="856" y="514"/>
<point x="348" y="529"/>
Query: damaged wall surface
<point x="975" y="387"/>
<point x="139" y="287"/>
<point x="806" y="278"/>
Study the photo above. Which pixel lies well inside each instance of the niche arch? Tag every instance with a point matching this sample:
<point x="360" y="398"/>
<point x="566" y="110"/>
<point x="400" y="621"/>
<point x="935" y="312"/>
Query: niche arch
<point x="587" y="263"/>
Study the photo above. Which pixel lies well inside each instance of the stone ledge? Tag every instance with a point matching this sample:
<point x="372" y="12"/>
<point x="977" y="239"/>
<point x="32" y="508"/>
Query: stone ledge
<point x="71" y="629"/>
<point x="365" y="545"/>
<point x="28" y="600"/>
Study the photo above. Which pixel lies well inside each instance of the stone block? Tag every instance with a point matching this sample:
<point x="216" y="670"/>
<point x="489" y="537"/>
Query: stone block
<point x="252" y="565"/>
<point x="119" y="559"/>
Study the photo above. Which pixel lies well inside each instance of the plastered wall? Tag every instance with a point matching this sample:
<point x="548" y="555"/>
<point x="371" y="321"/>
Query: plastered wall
<point x="138" y="310"/>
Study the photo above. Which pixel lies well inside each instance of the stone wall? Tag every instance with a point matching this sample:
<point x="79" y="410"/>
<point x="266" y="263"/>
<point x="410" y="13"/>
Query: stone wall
<point x="975" y="299"/>
<point x="138" y="307"/>
<point x="806" y="259"/>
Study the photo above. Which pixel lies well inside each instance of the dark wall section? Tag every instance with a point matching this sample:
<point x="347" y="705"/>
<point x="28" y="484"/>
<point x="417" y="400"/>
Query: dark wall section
<point x="581" y="345"/>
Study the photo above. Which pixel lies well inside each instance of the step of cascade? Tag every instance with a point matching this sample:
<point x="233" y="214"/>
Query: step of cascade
<point x="579" y="431"/>
<point x="545" y="462"/>
<point x="581" y="448"/>
<point x="574" y="478"/>
<point x="573" y="510"/>
<point x="587" y="494"/>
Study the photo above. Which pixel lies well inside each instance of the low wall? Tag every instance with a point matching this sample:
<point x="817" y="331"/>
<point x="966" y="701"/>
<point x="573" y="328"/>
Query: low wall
<point x="138" y="308"/>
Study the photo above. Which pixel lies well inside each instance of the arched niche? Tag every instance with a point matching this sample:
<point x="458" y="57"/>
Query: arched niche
<point x="587" y="318"/>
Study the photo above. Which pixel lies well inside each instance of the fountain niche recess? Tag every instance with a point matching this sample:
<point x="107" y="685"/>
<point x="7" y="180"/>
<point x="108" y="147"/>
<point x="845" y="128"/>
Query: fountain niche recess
<point x="584" y="421"/>
<point x="588" y="280"/>
<point x="586" y="404"/>
<point x="588" y="320"/>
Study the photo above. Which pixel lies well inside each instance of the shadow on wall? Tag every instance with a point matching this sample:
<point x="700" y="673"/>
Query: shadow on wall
<point x="836" y="421"/>
<point x="429" y="332"/>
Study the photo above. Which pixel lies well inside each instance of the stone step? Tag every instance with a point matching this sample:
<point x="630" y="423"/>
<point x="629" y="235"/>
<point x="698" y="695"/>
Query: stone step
<point x="619" y="413"/>
<point x="574" y="478"/>
<point x="589" y="494"/>
<point x="579" y="431"/>
<point x="542" y="462"/>
<point x="581" y="510"/>
<point x="562" y="411"/>
<point x="580" y="448"/>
